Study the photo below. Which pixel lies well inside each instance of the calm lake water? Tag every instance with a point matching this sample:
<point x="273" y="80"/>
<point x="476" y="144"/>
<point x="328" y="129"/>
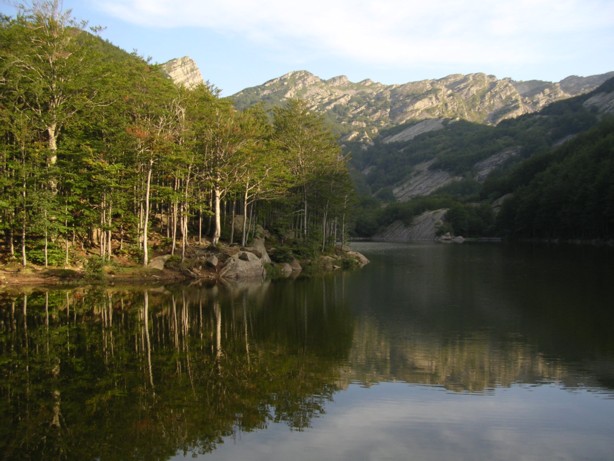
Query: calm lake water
<point x="431" y="352"/>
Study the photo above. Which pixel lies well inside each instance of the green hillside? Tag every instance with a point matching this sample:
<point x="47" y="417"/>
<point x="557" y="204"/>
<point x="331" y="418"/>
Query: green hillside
<point x="487" y="163"/>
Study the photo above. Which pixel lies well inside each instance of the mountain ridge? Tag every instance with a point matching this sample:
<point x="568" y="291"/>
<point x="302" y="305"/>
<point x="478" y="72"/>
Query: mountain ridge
<point x="362" y="109"/>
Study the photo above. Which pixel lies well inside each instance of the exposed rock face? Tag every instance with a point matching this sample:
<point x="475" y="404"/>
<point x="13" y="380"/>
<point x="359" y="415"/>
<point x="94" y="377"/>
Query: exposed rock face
<point x="362" y="109"/>
<point x="423" y="228"/>
<point x="183" y="71"/>
<point x="415" y="130"/>
<point x="423" y="181"/>
<point x="603" y="102"/>
<point x="485" y="167"/>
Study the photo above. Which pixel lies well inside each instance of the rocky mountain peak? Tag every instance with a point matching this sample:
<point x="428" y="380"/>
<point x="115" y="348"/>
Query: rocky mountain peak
<point x="183" y="71"/>
<point x="339" y="80"/>
<point x="361" y="110"/>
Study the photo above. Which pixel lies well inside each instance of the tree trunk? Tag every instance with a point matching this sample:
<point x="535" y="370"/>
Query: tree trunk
<point x="305" y="213"/>
<point x="245" y="205"/>
<point x="200" y="225"/>
<point x="52" y="144"/>
<point x="217" y="194"/>
<point x="324" y="229"/>
<point x="146" y="215"/>
<point x="46" y="248"/>
<point x="184" y="234"/>
<point x="109" y="230"/>
<point x="24" y="224"/>
<point x="66" y="258"/>
<point x="175" y="217"/>
<point x="103" y="219"/>
<point x="12" y="242"/>
<point x="232" y="221"/>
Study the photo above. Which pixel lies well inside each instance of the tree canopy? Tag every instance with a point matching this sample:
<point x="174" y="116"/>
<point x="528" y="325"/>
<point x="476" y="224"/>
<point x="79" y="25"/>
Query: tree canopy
<point x="100" y="152"/>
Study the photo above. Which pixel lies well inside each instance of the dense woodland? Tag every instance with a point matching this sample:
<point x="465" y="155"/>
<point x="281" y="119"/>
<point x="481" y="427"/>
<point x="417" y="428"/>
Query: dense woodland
<point x="101" y="153"/>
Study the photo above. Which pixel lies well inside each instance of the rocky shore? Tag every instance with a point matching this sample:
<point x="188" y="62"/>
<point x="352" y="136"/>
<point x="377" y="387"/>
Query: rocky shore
<point x="204" y="264"/>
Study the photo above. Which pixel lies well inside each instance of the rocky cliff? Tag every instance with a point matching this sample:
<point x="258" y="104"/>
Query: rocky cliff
<point x="362" y="109"/>
<point x="183" y="71"/>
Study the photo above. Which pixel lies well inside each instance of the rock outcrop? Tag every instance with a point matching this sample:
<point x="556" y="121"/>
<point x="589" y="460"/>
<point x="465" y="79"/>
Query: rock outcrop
<point x="244" y="266"/>
<point x="183" y="71"/>
<point x="423" y="228"/>
<point x="423" y="181"/>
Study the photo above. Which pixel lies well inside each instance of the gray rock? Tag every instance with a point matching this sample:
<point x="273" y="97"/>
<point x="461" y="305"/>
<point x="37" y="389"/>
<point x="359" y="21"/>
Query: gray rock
<point x="243" y="266"/>
<point x="362" y="259"/>
<point x="158" y="262"/>
<point x="285" y="270"/>
<point x="212" y="261"/>
<point x="296" y="267"/>
<point x="258" y="245"/>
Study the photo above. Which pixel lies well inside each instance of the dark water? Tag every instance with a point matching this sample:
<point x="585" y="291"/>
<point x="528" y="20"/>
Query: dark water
<point x="431" y="352"/>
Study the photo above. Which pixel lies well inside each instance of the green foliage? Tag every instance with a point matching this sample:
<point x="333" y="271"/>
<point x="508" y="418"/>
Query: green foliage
<point x="273" y="271"/>
<point x="470" y="220"/>
<point x="349" y="264"/>
<point x="566" y="194"/>
<point x="94" y="269"/>
<point x="56" y="256"/>
<point x="283" y="254"/>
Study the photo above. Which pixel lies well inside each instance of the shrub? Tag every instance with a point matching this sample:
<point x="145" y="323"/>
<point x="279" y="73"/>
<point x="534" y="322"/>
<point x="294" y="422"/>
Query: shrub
<point x="94" y="268"/>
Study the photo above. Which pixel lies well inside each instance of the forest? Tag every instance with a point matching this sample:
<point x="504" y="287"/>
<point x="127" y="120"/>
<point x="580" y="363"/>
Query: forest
<point x="102" y="154"/>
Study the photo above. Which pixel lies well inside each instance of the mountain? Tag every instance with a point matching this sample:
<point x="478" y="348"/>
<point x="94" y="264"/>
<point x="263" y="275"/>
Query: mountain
<point x="548" y="172"/>
<point x="417" y="159"/>
<point x="183" y="71"/>
<point x="361" y="110"/>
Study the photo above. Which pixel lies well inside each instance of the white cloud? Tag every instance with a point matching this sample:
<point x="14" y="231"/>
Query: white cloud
<point x="387" y="32"/>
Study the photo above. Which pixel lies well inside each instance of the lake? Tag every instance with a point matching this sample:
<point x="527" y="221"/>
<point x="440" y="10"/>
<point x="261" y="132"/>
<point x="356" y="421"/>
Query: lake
<point x="431" y="352"/>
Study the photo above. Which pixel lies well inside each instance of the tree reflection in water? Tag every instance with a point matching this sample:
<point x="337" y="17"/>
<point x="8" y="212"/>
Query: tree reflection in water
<point x="143" y="373"/>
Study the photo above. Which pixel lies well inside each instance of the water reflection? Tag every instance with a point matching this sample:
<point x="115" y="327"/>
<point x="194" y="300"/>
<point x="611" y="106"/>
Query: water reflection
<point x="425" y="341"/>
<point x="138" y="374"/>
<point x="472" y="318"/>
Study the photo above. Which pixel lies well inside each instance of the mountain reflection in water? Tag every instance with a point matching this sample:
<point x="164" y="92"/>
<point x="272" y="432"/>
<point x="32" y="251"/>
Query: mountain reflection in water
<point x="422" y="339"/>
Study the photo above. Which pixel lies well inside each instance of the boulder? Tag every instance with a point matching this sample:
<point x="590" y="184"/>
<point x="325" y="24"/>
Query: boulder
<point x="260" y="249"/>
<point x="243" y="266"/>
<point x="296" y="266"/>
<point x="285" y="269"/>
<point x="327" y="263"/>
<point x="212" y="261"/>
<point x="158" y="262"/>
<point x="362" y="259"/>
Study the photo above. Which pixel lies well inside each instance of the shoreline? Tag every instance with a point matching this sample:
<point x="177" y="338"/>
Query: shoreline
<point x="205" y="265"/>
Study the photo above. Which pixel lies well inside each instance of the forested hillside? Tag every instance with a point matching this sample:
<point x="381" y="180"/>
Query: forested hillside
<point x="567" y="193"/>
<point x="471" y="169"/>
<point x="101" y="153"/>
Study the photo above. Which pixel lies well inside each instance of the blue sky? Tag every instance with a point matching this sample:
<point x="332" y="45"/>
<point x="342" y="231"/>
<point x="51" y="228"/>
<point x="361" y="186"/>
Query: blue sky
<point x="243" y="43"/>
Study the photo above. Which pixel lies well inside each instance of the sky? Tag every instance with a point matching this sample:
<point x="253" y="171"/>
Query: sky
<point x="243" y="43"/>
